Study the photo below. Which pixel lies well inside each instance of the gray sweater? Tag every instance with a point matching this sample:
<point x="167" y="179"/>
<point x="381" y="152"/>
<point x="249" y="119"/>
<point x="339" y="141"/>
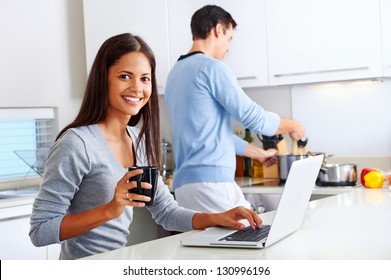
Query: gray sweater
<point x="81" y="173"/>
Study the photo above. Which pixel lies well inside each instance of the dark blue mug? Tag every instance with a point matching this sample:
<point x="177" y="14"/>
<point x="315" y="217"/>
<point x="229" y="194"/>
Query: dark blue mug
<point x="149" y="175"/>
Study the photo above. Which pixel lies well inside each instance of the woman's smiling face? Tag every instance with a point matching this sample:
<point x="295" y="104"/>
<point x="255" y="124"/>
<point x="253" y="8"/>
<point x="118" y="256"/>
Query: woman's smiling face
<point x="130" y="84"/>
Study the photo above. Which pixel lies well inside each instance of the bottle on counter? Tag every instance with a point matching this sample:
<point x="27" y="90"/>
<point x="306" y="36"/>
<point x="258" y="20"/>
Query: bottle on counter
<point x="256" y="169"/>
<point x="247" y="161"/>
<point x="239" y="172"/>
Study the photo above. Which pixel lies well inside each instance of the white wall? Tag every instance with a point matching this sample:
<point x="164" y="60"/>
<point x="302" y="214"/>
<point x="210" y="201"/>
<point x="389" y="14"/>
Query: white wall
<point x="343" y="119"/>
<point x="42" y="55"/>
<point x="346" y="119"/>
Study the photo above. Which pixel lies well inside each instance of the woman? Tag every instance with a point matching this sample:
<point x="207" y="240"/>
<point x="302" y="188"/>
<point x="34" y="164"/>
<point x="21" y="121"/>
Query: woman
<point x="83" y="200"/>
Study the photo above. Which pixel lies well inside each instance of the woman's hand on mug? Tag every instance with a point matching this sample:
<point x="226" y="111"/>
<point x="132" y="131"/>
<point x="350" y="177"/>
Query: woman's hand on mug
<point x="122" y="196"/>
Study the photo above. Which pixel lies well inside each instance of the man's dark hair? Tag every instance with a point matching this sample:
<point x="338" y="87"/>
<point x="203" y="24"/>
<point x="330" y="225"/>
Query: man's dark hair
<point x="206" y="18"/>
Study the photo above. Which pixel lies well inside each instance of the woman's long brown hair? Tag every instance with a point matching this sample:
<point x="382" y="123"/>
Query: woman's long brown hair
<point x="95" y="102"/>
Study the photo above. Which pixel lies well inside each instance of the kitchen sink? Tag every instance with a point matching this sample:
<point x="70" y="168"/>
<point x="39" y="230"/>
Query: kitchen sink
<point x="19" y="192"/>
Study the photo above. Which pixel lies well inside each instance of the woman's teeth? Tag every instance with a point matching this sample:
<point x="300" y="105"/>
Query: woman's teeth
<point x="132" y="99"/>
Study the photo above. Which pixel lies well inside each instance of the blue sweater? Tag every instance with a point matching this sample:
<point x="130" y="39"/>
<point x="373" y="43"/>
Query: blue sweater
<point x="202" y="96"/>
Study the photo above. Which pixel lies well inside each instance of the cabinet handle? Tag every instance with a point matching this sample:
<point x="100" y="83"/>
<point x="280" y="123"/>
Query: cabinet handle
<point x="320" y="72"/>
<point x="247" y="78"/>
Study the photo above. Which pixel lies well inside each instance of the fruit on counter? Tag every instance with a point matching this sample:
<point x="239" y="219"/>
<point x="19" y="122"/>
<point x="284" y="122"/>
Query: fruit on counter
<point x="388" y="178"/>
<point x="364" y="172"/>
<point x="371" y="178"/>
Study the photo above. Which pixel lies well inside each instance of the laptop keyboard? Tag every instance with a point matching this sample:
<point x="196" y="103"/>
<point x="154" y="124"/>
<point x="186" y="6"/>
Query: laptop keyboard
<point x="248" y="234"/>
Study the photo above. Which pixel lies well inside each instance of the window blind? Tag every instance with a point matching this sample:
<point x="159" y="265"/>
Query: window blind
<point x="25" y="138"/>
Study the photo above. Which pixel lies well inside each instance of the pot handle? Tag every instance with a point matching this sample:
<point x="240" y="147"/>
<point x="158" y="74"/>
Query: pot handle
<point x="323" y="170"/>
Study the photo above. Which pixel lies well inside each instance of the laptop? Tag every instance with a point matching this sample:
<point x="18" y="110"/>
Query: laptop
<point x="287" y="219"/>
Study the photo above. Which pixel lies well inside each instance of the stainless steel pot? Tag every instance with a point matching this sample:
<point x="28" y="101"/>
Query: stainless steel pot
<point x="333" y="174"/>
<point x="285" y="162"/>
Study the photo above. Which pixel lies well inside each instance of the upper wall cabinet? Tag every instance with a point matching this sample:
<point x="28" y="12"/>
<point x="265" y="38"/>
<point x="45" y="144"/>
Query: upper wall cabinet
<point x="247" y="56"/>
<point x="323" y="40"/>
<point x="385" y="8"/>
<point x="104" y="18"/>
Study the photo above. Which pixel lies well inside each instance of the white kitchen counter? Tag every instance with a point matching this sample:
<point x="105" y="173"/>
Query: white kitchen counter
<point x="351" y="225"/>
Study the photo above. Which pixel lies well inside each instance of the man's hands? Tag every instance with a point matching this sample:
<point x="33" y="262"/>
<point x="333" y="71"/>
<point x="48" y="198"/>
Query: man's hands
<point x="267" y="157"/>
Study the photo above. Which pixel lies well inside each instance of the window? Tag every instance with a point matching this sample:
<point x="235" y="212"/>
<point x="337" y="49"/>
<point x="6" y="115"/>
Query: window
<point x="25" y="138"/>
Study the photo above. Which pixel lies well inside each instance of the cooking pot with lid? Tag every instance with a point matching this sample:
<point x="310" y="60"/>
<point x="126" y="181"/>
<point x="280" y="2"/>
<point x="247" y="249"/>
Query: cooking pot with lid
<point x="330" y="174"/>
<point x="285" y="162"/>
<point x="333" y="174"/>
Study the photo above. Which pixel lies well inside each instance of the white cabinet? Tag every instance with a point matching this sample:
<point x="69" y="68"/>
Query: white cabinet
<point x="147" y="19"/>
<point x="247" y="56"/>
<point x="322" y="40"/>
<point x="385" y="9"/>
<point x="14" y="235"/>
<point x="276" y="42"/>
<point x="15" y="243"/>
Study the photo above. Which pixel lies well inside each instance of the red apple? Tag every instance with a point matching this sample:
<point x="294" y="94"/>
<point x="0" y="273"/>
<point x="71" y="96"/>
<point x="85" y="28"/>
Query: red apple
<point x="364" y="171"/>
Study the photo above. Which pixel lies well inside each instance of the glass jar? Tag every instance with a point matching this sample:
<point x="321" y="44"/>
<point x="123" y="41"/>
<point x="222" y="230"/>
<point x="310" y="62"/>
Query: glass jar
<point x="167" y="159"/>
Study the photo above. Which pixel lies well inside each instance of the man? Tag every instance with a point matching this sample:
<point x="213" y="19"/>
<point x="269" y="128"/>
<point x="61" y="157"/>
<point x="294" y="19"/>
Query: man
<point x="202" y="96"/>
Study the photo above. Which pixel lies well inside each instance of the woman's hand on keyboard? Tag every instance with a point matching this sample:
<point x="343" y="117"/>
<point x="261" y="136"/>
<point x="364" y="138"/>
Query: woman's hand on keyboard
<point x="230" y="219"/>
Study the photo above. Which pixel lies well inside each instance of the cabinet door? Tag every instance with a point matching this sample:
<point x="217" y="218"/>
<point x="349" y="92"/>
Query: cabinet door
<point x="247" y="54"/>
<point x="322" y="40"/>
<point x="103" y="19"/>
<point x="385" y="9"/>
<point x="15" y="242"/>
